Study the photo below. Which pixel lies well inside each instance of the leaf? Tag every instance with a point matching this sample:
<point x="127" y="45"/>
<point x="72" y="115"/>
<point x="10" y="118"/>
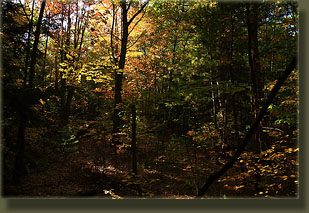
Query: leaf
<point x="284" y="177"/>
<point x="190" y="133"/>
<point x="106" y="191"/>
<point x="69" y="57"/>
<point x="238" y="187"/>
<point x="42" y="102"/>
<point x="154" y="180"/>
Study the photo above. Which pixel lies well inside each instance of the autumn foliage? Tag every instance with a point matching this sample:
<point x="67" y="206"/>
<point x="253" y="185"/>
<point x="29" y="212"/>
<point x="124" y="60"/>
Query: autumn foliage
<point x="129" y="98"/>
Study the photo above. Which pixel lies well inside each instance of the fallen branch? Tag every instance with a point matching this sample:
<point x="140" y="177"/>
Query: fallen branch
<point x="272" y="129"/>
<point x="252" y="130"/>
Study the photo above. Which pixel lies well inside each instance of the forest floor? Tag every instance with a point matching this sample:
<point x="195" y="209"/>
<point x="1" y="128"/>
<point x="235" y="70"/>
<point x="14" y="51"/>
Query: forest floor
<point x="89" y="173"/>
<point x="93" y="169"/>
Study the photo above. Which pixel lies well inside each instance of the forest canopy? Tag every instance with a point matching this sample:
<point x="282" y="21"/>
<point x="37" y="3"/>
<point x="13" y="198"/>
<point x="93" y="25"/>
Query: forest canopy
<point x="151" y="98"/>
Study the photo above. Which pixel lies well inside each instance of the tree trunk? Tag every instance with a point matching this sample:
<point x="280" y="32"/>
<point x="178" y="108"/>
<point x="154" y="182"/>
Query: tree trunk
<point x="255" y="71"/>
<point x="44" y="61"/>
<point x="231" y="72"/>
<point x="56" y="73"/>
<point x="67" y="108"/>
<point x="28" y="46"/>
<point x="119" y="76"/>
<point x="213" y="98"/>
<point x="35" y="45"/>
<point x="117" y="121"/>
<point x="66" y="92"/>
<point x="19" y="167"/>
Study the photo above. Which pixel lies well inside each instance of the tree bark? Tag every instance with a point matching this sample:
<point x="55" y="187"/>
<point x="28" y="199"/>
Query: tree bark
<point x="251" y="131"/>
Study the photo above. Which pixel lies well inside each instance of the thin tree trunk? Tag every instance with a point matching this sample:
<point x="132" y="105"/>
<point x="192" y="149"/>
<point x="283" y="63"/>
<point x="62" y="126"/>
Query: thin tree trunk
<point x="68" y="102"/>
<point x="44" y="61"/>
<point x="235" y="116"/>
<point x="28" y="46"/>
<point x="225" y="120"/>
<point x="134" y="161"/>
<point x="231" y="71"/>
<point x="66" y="92"/>
<point x="213" y="98"/>
<point x="56" y="73"/>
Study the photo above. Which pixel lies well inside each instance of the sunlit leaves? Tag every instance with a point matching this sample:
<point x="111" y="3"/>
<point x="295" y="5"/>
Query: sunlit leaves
<point x="112" y="194"/>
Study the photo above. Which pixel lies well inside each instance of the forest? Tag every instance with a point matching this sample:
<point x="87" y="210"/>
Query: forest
<point x="178" y="99"/>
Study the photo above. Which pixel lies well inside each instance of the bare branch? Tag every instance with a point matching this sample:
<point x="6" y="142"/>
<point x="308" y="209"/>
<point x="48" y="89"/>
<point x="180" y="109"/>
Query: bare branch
<point x="135" y="41"/>
<point x="138" y="12"/>
<point x="112" y="32"/>
<point x="25" y="11"/>
<point x="136" y="23"/>
<point x="129" y="5"/>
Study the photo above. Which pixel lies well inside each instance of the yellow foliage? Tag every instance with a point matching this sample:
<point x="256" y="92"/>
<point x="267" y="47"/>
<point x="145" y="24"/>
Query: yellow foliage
<point x="289" y="102"/>
<point x="69" y="57"/>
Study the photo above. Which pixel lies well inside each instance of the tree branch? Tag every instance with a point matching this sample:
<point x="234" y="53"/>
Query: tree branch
<point x="133" y="43"/>
<point x="112" y="31"/>
<point x="138" y="12"/>
<point x="136" y="23"/>
<point x="129" y="5"/>
<point x="25" y="11"/>
<point x="250" y="133"/>
<point x="35" y="44"/>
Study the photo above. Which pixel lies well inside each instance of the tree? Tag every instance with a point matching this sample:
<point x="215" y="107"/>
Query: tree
<point x="19" y="160"/>
<point x="122" y="60"/>
<point x="253" y="53"/>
